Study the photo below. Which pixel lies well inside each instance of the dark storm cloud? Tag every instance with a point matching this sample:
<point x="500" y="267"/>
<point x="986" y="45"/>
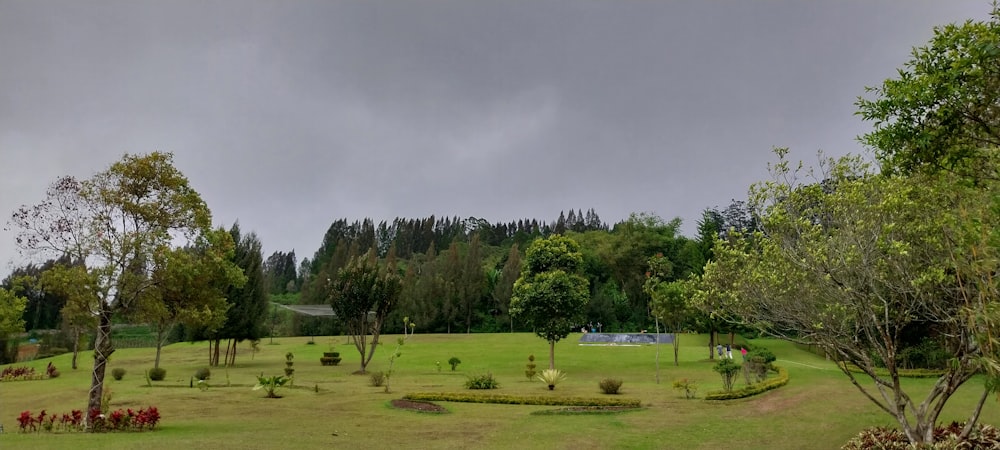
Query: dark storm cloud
<point x="288" y="115"/>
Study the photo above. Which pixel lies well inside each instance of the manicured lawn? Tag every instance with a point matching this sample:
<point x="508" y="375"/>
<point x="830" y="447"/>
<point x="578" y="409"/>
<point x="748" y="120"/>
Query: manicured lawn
<point x="818" y="409"/>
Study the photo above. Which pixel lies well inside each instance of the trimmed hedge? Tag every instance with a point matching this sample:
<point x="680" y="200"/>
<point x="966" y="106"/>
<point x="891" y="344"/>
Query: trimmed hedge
<point x="905" y="373"/>
<point x="757" y="388"/>
<point x="543" y="400"/>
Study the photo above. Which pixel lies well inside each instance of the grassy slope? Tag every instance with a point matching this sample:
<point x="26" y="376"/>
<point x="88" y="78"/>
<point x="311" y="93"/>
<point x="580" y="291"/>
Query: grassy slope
<point x="818" y="409"/>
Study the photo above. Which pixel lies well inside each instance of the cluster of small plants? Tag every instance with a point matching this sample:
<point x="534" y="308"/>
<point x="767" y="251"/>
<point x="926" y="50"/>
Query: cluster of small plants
<point x="945" y="437"/>
<point x="483" y="381"/>
<point x="50" y="422"/>
<point x="118" y="420"/>
<point x="507" y="399"/>
<point x="23" y="373"/>
<point x="125" y="419"/>
<point x="12" y="373"/>
<point x="610" y="385"/>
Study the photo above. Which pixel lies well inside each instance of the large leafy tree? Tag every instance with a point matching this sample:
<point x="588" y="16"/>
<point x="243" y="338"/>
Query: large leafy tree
<point x="11" y="321"/>
<point x="119" y="222"/>
<point x="192" y="284"/>
<point x="851" y="261"/>
<point x="362" y="295"/>
<point x="942" y="111"/>
<point x="552" y="293"/>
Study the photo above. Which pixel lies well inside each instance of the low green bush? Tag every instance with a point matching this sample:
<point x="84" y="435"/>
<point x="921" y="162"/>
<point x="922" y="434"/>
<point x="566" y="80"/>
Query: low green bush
<point x="610" y="385"/>
<point x="757" y="388"/>
<point x="202" y="374"/>
<point x="542" y="400"/>
<point x="454" y="362"/>
<point x="482" y="381"/>
<point x="157" y="374"/>
<point x="118" y="373"/>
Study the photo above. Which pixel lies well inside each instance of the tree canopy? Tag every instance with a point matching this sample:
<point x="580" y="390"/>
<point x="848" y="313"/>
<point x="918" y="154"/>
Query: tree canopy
<point x="551" y="293"/>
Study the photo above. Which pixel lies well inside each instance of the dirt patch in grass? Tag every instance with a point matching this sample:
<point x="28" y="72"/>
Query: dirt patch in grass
<point x="418" y="406"/>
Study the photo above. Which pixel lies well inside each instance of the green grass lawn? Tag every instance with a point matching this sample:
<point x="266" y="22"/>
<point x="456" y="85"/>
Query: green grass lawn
<point x="818" y="409"/>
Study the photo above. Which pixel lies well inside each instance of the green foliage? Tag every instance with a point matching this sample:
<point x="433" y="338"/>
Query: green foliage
<point x="270" y="384"/>
<point x="289" y="370"/>
<point x="551" y="294"/>
<point x="11" y="313"/>
<point x="728" y="369"/>
<point x="551" y="377"/>
<point x="118" y="373"/>
<point x="362" y="295"/>
<point x="482" y="381"/>
<point x="946" y="437"/>
<point x="454" y="362"/>
<point x="940" y="112"/>
<point x="529" y="369"/>
<point x="377" y="378"/>
<point x="202" y="374"/>
<point x="757" y="388"/>
<point x="543" y="400"/>
<point x="688" y="386"/>
<point x="610" y="385"/>
<point x="157" y="373"/>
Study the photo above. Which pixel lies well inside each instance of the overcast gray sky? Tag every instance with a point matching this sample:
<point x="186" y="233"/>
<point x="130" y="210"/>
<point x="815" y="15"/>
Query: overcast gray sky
<point x="287" y="115"/>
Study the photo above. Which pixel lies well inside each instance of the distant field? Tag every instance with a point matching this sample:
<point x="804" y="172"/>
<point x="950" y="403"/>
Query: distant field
<point x="818" y="409"/>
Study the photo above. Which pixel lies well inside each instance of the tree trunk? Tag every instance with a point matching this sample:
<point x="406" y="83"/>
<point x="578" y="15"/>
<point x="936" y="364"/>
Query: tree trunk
<point x="711" y="344"/>
<point x="76" y="345"/>
<point x="677" y="348"/>
<point x="159" y="346"/>
<point x="552" y="354"/>
<point x="215" y="353"/>
<point x="657" y="321"/>
<point x="102" y="352"/>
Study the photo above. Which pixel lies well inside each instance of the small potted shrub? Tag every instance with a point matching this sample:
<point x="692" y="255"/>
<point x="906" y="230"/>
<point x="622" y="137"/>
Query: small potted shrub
<point x="118" y="373"/>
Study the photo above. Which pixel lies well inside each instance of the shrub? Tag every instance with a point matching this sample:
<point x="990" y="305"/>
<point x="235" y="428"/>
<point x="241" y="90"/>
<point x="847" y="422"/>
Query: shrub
<point x="454" y="362"/>
<point x="377" y="378"/>
<point x="690" y="387"/>
<point x="945" y="437"/>
<point x="551" y="377"/>
<point x="51" y="371"/>
<point x="729" y="370"/>
<point x="757" y="388"/>
<point x="12" y="373"/>
<point x="118" y="373"/>
<point x="157" y="374"/>
<point x="529" y="369"/>
<point x="484" y="381"/>
<point x="119" y="420"/>
<point x="610" y="385"/>
<point x="270" y="384"/>
<point x="289" y="370"/>
<point x="202" y="374"/>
